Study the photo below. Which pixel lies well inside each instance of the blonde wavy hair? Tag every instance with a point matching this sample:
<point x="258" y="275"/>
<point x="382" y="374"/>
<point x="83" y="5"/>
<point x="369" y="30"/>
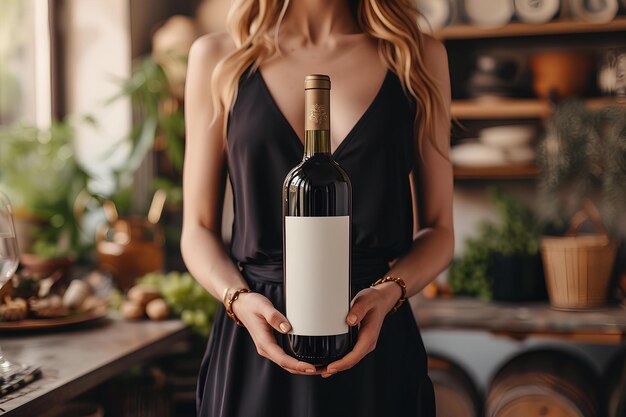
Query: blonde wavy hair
<point x="254" y="25"/>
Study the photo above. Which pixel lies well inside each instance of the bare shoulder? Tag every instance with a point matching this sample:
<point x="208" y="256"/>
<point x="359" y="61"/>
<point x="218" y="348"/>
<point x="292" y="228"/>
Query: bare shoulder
<point x="435" y="53"/>
<point x="210" y="49"/>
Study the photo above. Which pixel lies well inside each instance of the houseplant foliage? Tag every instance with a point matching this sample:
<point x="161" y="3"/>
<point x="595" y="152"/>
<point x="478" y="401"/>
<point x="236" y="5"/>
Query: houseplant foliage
<point x="514" y="235"/>
<point x="42" y="176"/>
<point x="156" y="90"/>
<point x="583" y="156"/>
<point x="161" y="125"/>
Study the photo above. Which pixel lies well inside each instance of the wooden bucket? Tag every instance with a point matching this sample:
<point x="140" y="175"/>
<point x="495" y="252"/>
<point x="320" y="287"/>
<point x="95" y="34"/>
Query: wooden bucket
<point x="578" y="267"/>
<point x="543" y="383"/>
<point x="455" y="393"/>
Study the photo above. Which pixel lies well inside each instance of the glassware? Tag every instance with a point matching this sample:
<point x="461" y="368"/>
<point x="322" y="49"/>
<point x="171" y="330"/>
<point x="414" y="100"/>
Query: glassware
<point x="9" y="261"/>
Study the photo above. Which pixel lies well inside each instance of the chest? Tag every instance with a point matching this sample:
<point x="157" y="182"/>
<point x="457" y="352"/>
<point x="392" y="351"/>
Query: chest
<point x="355" y="87"/>
<point x="260" y="137"/>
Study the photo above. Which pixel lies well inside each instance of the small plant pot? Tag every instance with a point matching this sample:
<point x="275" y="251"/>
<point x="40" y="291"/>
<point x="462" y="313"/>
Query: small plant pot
<point x="565" y="74"/>
<point x="129" y="248"/>
<point x="25" y="224"/>
<point x="43" y="268"/>
<point x="578" y="267"/>
<point x="517" y="278"/>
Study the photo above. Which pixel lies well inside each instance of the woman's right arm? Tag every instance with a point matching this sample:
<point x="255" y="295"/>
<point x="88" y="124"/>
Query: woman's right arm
<point x="204" y="181"/>
<point x="204" y="175"/>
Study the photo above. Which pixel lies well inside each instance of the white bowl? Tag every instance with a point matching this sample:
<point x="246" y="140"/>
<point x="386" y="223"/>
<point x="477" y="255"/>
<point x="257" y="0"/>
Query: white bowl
<point x="505" y="137"/>
<point x="477" y="155"/>
<point x="523" y="155"/>
<point x="435" y="13"/>
<point x="533" y="11"/>
<point x="604" y="14"/>
<point x="489" y="13"/>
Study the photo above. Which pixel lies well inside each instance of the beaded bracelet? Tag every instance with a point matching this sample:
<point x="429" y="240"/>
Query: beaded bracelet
<point x="402" y="286"/>
<point x="229" y="299"/>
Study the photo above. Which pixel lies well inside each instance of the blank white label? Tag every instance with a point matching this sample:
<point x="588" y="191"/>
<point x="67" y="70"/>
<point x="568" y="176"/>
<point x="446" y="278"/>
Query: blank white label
<point x="317" y="274"/>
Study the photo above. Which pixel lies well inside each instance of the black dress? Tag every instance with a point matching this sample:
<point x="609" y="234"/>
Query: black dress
<point x="262" y="147"/>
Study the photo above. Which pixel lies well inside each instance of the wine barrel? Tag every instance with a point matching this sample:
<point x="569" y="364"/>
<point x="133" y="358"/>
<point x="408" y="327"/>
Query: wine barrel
<point x="616" y="387"/>
<point x="544" y="383"/>
<point x="455" y="393"/>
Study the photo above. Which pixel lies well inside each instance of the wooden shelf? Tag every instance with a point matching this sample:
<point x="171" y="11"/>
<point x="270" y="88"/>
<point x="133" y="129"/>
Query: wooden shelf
<point x="510" y="172"/>
<point x="557" y="27"/>
<point x="490" y="109"/>
<point x="597" y="103"/>
<point x="480" y="109"/>
<point x="522" y="320"/>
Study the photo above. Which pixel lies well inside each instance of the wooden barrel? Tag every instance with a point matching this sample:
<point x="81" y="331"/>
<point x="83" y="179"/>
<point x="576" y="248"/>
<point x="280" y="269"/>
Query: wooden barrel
<point x="455" y="393"/>
<point x="616" y="387"/>
<point x="544" y="383"/>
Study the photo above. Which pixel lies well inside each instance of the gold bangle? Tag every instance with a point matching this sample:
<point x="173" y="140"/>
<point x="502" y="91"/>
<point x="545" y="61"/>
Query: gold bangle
<point x="400" y="282"/>
<point x="229" y="299"/>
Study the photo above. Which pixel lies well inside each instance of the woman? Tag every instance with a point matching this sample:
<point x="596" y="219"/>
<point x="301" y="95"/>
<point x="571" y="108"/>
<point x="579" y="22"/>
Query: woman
<point x="390" y="132"/>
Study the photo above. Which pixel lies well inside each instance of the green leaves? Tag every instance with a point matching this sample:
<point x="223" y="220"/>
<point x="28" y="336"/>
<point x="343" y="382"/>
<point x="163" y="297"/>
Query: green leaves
<point x="159" y="121"/>
<point x="469" y="274"/>
<point x="41" y="175"/>
<point x="583" y="155"/>
<point x="516" y="233"/>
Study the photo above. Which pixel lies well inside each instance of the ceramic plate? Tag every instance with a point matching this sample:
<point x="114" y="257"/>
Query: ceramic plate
<point x="36" y="324"/>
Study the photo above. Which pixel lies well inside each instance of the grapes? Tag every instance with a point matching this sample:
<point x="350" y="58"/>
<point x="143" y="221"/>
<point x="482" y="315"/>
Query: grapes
<point x="186" y="298"/>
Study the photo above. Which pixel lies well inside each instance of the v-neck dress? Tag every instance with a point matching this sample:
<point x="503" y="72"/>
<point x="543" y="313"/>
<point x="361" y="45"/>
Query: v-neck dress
<point x="377" y="154"/>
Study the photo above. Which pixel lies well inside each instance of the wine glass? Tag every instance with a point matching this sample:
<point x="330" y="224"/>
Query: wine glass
<point x="9" y="260"/>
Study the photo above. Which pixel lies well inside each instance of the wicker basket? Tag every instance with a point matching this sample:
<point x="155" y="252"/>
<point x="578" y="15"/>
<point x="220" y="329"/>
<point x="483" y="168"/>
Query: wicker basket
<point x="578" y="267"/>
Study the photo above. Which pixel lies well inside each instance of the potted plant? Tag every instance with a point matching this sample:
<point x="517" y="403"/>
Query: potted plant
<point x="582" y="159"/>
<point x="131" y="244"/>
<point x="502" y="263"/>
<point x="40" y="173"/>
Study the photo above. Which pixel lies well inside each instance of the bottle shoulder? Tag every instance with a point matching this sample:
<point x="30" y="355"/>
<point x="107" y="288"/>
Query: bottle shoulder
<point x="322" y="169"/>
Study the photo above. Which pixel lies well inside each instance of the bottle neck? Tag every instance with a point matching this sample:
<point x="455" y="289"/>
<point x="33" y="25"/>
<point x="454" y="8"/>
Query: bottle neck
<point x="317" y="118"/>
<point x="316" y="142"/>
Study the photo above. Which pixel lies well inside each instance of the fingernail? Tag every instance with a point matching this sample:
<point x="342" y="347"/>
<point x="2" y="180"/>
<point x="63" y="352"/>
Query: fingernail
<point x="352" y="319"/>
<point x="309" y="371"/>
<point x="325" y="375"/>
<point x="284" y="327"/>
<point x="332" y="371"/>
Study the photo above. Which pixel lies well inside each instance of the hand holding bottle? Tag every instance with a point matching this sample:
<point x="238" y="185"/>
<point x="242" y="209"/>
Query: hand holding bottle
<point x="259" y="316"/>
<point x="368" y="311"/>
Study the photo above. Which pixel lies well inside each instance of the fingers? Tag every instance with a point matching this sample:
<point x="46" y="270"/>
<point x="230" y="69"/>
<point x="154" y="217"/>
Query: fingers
<point x="266" y="342"/>
<point x="258" y="325"/>
<point x="368" y="336"/>
<point x="276" y="319"/>
<point x="361" y="305"/>
<point x="269" y="349"/>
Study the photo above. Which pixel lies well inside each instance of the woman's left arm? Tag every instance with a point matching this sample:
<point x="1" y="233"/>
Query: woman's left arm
<point x="433" y="246"/>
<point x="432" y="186"/>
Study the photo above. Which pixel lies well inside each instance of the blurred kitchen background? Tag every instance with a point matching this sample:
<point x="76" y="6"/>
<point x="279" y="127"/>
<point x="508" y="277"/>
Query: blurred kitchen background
<point x="529" y="320"/>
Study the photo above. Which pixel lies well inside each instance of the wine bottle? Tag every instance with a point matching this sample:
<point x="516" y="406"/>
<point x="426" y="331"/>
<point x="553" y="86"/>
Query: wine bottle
<point x="317" y="219"/>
